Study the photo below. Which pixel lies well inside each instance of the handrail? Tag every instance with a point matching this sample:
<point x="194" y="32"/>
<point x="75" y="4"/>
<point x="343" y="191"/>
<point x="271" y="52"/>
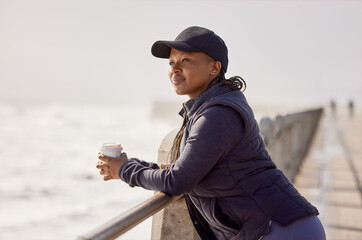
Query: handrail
<point x="127" y="220"/>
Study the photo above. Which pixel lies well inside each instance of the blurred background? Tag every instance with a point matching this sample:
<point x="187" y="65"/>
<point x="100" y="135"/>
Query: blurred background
<point x="75" y="74"/>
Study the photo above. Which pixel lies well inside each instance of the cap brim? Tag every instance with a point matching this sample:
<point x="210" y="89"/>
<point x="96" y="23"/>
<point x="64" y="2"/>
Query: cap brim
<point x="162" y="49"/>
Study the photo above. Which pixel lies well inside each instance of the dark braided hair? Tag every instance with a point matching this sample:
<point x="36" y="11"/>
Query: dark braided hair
<point x="235" y="82"/>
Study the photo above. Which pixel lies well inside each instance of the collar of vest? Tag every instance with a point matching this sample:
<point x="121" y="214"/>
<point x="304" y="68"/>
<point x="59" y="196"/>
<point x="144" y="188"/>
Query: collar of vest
<point x="190" y="107"/>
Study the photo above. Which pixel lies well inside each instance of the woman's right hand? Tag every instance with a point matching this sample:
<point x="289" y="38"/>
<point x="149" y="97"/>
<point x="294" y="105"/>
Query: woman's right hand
<point x="109" y="166"/>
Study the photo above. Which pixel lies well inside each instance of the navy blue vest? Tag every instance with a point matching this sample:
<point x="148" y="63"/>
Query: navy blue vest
<point x="250" y="190"/>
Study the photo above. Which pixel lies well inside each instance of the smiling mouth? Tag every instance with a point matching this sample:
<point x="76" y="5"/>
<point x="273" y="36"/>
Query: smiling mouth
<point x="177" y="80"/>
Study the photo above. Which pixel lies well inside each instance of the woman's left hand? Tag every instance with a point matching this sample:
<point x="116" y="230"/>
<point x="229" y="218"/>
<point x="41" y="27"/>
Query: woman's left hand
<point x="110" y="166"/>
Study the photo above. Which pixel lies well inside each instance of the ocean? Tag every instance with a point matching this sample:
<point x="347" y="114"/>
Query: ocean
<point x="49" y="186"/>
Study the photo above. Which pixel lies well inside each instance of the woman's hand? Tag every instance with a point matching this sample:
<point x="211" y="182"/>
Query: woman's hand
<point x="110" y="166"/>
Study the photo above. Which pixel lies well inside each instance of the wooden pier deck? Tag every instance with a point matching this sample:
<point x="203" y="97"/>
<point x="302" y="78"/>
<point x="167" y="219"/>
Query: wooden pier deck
<point x="331" y="175"/>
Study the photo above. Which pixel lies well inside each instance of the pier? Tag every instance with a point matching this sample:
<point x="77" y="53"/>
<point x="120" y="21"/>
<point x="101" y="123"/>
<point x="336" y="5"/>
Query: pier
<point x="331" y="174"/>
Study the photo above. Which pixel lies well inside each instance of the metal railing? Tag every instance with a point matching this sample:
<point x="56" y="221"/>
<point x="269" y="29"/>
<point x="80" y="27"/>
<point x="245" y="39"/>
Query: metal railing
<point x="127" y="220"/>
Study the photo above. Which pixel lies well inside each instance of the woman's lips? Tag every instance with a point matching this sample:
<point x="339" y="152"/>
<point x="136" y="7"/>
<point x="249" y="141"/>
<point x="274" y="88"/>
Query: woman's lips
<point x="177" y="79"/>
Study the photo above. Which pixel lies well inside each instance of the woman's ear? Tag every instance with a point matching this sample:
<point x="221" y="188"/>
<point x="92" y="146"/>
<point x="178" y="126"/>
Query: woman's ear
<point x="216" y="68"/>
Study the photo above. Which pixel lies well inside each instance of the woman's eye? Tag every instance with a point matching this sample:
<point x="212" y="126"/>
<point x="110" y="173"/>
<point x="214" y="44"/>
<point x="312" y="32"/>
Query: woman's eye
<point x="183" y="60"/>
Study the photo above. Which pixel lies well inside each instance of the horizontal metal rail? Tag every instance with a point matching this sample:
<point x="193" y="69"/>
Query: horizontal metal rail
<point x="129" y="219"/>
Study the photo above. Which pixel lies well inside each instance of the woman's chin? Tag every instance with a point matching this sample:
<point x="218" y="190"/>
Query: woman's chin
<point x="179" y="91"/>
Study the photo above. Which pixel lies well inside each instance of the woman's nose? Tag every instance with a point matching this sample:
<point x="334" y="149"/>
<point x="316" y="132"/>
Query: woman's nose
<point x="175" y="67"/>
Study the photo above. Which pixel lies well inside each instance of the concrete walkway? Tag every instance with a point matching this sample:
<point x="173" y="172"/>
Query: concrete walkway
<point x="331" y="174"/>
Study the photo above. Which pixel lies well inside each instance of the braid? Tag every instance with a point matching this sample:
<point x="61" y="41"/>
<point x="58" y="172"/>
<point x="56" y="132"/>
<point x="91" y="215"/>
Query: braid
<point x="235" y="82"/>
<point x="175" y="149"/>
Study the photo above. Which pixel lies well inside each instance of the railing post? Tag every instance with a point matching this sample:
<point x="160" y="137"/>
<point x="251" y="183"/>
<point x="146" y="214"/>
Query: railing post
<point x="173" y="222"/>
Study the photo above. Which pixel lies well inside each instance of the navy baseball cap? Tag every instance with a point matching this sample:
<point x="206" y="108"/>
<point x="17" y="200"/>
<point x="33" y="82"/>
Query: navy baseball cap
<point x="194" y="39"/>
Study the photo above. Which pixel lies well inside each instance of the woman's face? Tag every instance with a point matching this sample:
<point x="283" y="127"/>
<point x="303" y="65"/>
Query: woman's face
<point x="191" y="72"/>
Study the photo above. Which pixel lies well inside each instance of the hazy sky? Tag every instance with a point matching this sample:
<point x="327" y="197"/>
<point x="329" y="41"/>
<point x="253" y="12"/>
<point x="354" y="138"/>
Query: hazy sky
<point x="86" y="50"/>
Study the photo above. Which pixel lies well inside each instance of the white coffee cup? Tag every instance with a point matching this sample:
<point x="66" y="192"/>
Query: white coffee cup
<point x="111" y="149"/>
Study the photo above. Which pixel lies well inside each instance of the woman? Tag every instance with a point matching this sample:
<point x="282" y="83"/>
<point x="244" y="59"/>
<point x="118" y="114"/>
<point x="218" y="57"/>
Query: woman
<point x="232" y="188"/>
